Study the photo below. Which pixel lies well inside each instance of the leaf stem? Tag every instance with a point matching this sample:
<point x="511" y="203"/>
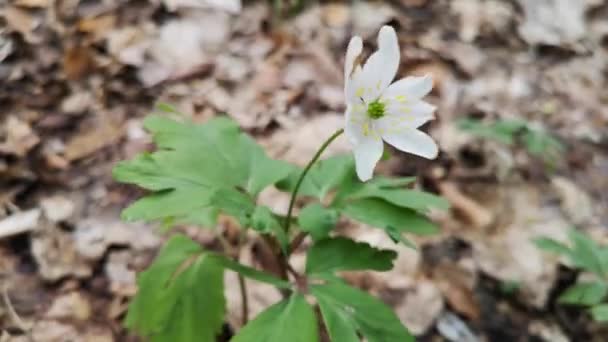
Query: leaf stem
<point x="244" y="299"/>
<point x="316" y="157"/>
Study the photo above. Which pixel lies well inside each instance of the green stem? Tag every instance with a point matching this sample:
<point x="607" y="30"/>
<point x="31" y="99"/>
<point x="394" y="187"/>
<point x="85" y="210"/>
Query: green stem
<point x="316" y="157"/>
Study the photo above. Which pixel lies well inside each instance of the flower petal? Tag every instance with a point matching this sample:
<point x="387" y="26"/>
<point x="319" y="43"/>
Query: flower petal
<point x="381" y="67"/>
<point x="413" y="141"/>
<point x="409" y="88"/>
<point x="353" y="51"/>
<point x="367" y="154"/>
<point x="366" y="140"/>
<point x="355" y="118"/>
<point x="401" y="116"/>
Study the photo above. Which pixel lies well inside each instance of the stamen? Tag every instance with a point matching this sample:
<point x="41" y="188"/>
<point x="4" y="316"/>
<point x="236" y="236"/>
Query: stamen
<point x="375" y="109"/>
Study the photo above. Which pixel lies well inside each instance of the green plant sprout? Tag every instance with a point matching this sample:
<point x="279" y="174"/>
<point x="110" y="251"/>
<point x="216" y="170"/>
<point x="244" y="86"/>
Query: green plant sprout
<point x="201" y="171"/>
<point x="537" y="141"/>
<point x="585" y="254"/>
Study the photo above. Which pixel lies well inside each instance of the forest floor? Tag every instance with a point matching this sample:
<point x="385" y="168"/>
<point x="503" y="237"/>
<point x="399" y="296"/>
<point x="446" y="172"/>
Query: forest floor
<point x="78" y="77"/>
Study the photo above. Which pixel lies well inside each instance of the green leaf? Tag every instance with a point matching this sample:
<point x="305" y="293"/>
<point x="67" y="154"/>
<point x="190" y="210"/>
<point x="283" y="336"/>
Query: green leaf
<point x="600" y="313"/>
<point x="590" y="293"/>
<point x="264" y="171"/>
<point x="264" y="221"/>
<point x="552" y="246"/>
<point x="347" y="310"/>
<point x="251" y="272"/>
<point x="397" y="236"/>
<point x="167" y="108"/>
<point x="192" y="164"/>
<point x="343" y="254"/>
<point x="385" y="215"/>
<point x="587" y="254"/>
<point x="322" y="177"/>
<point x="291" y="320"/>
<point x="502" y="133"/>
<point x="413" y="199"/>
<point x="173" y="203"/>
<point x="318" y="220"/>
<point x="235" y="203"/>
<point x="180" y="296"/>
<point x="540" y="143"/>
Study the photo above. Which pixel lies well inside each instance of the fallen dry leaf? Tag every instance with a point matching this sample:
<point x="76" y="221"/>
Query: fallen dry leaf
<point x="87" y="142"/>
<point x="20" y="222"/>
<point x="20" y="138"/>
<point x="553" y="22"/>
<point x="70" y="305"/>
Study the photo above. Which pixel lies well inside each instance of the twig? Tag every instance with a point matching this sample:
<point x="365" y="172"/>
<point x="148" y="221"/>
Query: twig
<point x="13" y="314"/>
<point x="20" y="222"/>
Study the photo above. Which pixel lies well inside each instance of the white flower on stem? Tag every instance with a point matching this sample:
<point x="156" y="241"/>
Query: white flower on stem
<point x="379" y="111"/>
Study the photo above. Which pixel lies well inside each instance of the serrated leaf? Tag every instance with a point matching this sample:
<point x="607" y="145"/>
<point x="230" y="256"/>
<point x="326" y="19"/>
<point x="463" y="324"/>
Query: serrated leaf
<point x="264" y="171"/>
<point x="291" y="320"/>
<point x="600" y="313"/>
<point x="342" y="254"/>
<point x="251" y="272"/>
<point x="347" y="310"/>
<point x="322" y="177"/>
<point x="235" y="203"/>
<point x="264" y="221"/>
<point x="168" y="204"/>
<point x="180" y="296"/>
<point x="382" y="214"/>
<point x="590" y="293"/>
<point x="318" y="220"/>
<point x="193" y="162"/>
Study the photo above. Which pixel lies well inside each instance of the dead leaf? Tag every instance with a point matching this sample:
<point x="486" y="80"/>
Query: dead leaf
<point x="77" y="61"/>
<point x="130" y="44"/>
<point x="20" y="138"/>
<point x="553" y="22"/>
<point x="510" y="254"/>
<point x="575" y="202"/>
<point x="53" y="331"/>
<point x="87" y="142"/>
<point x="122" y="278"/>
<point x="32" y="3"/>
<point x="336" y="15"/>
<point x="185" y="46"/>
<point x="21" y="21"/>
<point x="472" y="212"/>
<point x="457" y="286"/>
<point x="99" y="27"/>
<point x="232" y="6"/>
<point x="55" y="253"/>
<point x="421" y="305"/>
<point x="57" y="208"/>
<point x="70" y="305"/>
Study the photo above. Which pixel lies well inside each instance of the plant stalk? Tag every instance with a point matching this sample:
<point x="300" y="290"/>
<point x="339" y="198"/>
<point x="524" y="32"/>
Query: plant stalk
<point x="314" y="159"/>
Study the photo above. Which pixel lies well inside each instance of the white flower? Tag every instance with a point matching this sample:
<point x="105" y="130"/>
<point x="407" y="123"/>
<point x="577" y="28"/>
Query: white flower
<point x="378" y="110"/>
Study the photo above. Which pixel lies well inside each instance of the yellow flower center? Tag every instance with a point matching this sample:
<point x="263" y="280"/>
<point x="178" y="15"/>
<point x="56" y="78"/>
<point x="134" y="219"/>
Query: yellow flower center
<point x="375" y="109"/>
